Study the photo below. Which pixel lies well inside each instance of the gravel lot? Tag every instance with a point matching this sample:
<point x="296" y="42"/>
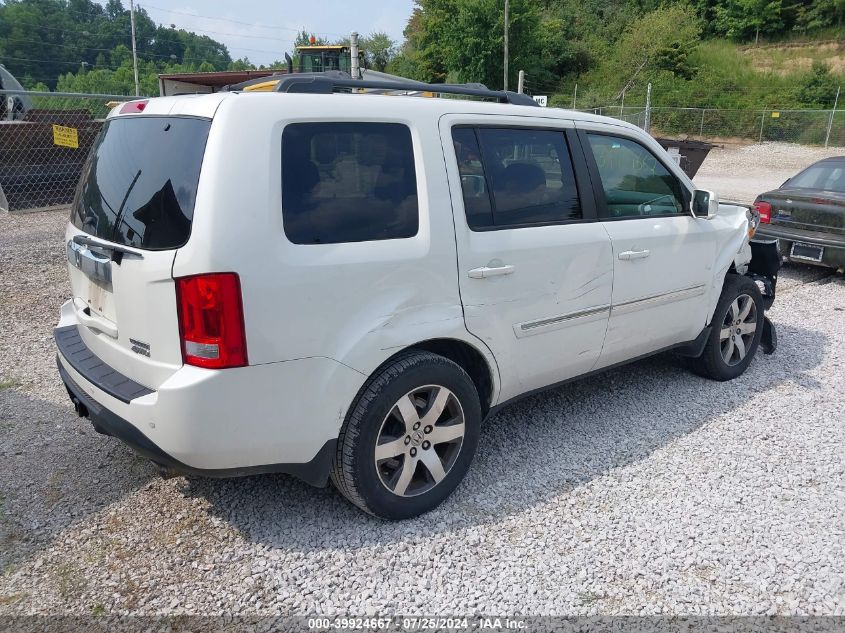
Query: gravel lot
<point x="742" y="173"/>
<point x="644" y="491"/>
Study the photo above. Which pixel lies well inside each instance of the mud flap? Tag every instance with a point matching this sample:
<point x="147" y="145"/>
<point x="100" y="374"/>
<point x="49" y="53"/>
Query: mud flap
<point x="769" y="340"/>
<point x="763" y="268"/>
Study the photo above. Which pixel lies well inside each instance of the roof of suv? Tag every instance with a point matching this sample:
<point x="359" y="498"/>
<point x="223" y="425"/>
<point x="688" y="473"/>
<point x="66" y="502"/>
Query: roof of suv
<point x="206" y="105"/>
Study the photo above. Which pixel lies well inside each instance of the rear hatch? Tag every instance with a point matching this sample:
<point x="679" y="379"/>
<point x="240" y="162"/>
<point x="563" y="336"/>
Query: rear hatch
<point x="136" y="198"/>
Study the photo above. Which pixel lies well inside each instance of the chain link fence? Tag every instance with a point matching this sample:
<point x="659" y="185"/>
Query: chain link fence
<point x="803" y="127"/>
<point x="46" y="137"/>
<point x="44" y="141"/>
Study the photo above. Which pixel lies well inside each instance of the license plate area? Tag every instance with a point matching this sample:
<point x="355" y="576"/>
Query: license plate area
<point x="806" y="252"/>
<point x="91" y="279"/>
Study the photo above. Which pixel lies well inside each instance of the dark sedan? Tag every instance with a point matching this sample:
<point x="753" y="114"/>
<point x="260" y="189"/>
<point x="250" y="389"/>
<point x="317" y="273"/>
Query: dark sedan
<point x="807" y="215"/>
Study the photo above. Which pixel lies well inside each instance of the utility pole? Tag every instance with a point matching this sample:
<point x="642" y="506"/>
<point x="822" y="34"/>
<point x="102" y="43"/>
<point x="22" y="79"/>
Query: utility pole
<point x="830" y="120"/>
<point x="353" y="52"/>
<point x="134" y="48"/>
<point x="507" y="17"/>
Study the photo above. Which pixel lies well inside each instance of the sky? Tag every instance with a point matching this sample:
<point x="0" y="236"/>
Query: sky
<point x="263" y="30"/>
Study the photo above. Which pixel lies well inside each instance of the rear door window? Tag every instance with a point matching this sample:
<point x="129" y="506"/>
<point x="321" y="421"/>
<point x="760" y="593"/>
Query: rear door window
<point x="348" y="182"/>
<point x="139" y="185"/>
<point x="527" y="177"/>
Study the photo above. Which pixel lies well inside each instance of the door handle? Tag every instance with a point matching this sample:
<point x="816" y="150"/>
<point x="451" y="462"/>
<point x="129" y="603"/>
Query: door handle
<point x="634" y="254"/>
<point x="486" y="271"/>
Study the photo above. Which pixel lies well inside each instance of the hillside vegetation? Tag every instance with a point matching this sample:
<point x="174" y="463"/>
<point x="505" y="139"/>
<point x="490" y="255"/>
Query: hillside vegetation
<point x="722" y="53"/>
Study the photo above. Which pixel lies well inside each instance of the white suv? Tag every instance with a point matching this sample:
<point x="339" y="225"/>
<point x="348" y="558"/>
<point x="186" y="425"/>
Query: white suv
<point x="345" y="285"/>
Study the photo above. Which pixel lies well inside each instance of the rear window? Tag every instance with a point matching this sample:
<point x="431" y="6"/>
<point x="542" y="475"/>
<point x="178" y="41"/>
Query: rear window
<point x="825" y="176"/>
<point x="139" y="185"/>
<point x="348" y="182"/>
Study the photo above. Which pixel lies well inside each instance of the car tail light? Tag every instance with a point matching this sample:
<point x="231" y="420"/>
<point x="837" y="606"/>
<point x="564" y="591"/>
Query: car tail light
<point x="133" y="107"/>
<point x="211" y="320"/>
<point x="765" y="211"/>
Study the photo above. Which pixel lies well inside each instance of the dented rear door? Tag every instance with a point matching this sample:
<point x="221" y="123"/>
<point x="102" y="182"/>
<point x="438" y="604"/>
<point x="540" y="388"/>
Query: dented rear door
<point x="536" y="289"/>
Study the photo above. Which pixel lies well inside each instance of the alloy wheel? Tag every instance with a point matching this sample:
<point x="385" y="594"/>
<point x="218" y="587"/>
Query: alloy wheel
<point x="738" y="329"/>
<point x="419" y="440"/>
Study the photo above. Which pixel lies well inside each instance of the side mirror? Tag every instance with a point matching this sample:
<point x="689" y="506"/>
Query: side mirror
<point x="705" y="204"/>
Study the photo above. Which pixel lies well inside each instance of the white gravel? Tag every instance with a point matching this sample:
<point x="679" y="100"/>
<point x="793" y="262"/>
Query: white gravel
<point x="742" y="173"/>
<point x="644" y="491"/>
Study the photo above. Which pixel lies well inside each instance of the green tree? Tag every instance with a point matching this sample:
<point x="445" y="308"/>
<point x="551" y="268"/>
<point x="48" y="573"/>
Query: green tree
<point x="241" y="64"/>
<point x="43" y="39"/>
<point x="818" y="14"/>
<point x="819" y="86"/>
<point x="745" y="19"/>
<point x="379" y="49"/>
<point x="658" y="41"/>
<point x="464" y="39"/>
<point x="303" y="38"/>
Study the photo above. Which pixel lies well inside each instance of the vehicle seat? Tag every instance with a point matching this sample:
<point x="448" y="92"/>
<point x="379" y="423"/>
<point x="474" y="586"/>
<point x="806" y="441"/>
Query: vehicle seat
<point x="523" y="178"/>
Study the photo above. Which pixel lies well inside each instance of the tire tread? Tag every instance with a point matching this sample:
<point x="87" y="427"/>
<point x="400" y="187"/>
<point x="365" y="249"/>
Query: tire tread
<point x="342" y="472"/>
<point x="709" y="363"/>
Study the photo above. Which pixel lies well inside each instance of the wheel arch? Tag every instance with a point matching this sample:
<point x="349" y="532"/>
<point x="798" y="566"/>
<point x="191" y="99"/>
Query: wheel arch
<point x="479" y="366"/>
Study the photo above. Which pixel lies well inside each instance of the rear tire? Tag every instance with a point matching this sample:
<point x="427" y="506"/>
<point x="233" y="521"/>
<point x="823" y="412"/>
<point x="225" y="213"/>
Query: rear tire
<point x="737" y="327"/>
<point x="409" y="438"/>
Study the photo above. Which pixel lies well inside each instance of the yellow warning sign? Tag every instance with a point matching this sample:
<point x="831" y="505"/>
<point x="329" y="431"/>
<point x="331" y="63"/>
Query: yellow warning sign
<point x="775" y="115"/>
<point x="65" y="136"/>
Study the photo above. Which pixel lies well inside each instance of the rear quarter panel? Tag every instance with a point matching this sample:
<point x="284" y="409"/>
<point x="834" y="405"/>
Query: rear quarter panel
<point x="354" y="303"/>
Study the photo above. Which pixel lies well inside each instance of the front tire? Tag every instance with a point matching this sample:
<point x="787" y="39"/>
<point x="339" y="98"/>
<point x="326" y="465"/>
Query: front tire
<point x="736" y="330"/>
<point x="409" y="438"/>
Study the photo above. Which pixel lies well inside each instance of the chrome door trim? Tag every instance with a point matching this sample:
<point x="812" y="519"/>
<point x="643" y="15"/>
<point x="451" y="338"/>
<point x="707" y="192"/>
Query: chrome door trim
<point x="548" y="324"/>
<point x="653" y="301"/>
<point x="97" y="267"/>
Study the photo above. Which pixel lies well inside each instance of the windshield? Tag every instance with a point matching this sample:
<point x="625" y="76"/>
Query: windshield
<point x="824" y="176"/>
<point x="139" y="185"/>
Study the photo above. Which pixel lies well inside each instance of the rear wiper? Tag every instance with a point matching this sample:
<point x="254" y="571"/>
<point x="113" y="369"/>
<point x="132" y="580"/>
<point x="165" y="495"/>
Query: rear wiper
<point x="116" y="250"/>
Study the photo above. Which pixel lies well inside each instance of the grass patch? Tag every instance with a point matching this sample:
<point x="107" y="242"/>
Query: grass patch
<point x="98" y="610"/>
<point x="70" y="582"/>
<point x="53" y="491"/>
<point x="11" y="599"/>
<point x="588" y="597"/>
<point x="8" y="383"/>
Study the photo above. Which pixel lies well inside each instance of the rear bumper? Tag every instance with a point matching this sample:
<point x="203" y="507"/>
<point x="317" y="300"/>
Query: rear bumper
<point x="834" y="245"/>
<point x="314" y="472"/>
<point x="279" y="418"/>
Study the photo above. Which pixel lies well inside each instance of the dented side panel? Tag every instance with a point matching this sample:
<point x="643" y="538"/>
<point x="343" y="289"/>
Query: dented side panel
<point x="545" y="319"/>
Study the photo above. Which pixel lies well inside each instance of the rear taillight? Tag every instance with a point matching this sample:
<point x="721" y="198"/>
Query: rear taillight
<point x="765" y="211"/>
<point x="211" y="320"/>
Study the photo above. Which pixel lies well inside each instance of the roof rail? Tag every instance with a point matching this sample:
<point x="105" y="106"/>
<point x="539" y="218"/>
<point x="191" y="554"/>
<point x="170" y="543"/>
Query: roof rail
<point x="326" y="83"/>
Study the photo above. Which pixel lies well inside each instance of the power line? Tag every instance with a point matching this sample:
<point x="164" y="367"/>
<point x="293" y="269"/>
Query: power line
<point x="196" y="45"/>
<point x="53" y="61"/>
<point x="231" y="21"/>
<point x="83" y="48"/>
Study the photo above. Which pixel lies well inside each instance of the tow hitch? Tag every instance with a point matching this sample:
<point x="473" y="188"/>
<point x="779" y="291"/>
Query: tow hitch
<point x="763" y="269"/>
